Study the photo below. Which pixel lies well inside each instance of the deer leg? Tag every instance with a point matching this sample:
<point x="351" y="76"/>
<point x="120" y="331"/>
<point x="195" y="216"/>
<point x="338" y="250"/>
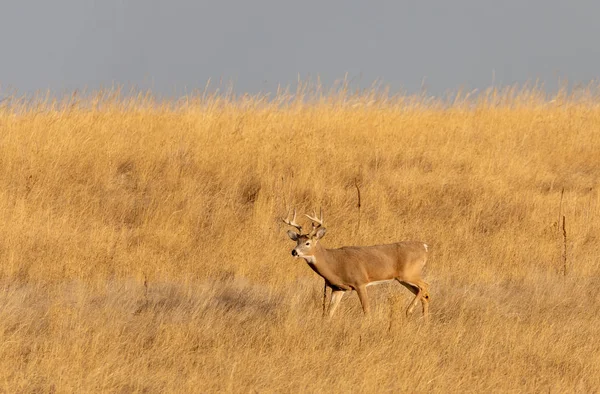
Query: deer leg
<point x="422" y="295"/>
<point x="364" y="298"/>
<point x="421" y="291"/>
<point x="324" y="298"/>
<point x="424" y="289"/>
<point x="412" y="305"/>
<point x="336" y="297"/>
<point x="425" y="305"/>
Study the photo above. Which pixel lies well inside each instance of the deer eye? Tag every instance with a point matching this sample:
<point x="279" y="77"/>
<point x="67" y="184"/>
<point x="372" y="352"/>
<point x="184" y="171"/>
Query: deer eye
<point x="308" y="244"/>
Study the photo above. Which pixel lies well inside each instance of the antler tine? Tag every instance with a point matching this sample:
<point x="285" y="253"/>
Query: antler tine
<point x="293" y="222"/>
<point x="315" y="220"/>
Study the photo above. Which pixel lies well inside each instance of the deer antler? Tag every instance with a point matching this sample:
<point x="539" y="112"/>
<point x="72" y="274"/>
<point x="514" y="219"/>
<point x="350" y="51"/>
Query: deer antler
<point x="293" y="223"/>
<point x="319" y="222"/>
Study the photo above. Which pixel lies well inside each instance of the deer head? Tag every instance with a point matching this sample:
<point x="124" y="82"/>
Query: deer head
<point x="306" y="243"/>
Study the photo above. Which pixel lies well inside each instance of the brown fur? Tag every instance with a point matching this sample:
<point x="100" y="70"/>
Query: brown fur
<point x="354" y="267"/>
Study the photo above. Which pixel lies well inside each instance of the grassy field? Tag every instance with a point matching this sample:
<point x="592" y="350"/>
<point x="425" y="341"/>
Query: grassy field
<point x="141" y="246"/>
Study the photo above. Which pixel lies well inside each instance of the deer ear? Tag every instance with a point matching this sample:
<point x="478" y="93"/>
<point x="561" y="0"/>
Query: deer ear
<point x="321" y="233"/>
<point x="294" y="236"/>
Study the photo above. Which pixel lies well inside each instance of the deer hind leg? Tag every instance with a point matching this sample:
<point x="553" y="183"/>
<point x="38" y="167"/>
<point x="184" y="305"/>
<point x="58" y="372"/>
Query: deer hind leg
<point x="424" y="289"/>
<point x="336" y="297"/>
<point x="421" y="291"/>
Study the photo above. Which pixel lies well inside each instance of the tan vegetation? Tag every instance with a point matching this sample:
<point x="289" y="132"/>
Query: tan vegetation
<point x="141" y="247"/>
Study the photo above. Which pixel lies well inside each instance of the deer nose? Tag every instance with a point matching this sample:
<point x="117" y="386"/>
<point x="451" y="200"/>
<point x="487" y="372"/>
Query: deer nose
<point x="294" y="253"/>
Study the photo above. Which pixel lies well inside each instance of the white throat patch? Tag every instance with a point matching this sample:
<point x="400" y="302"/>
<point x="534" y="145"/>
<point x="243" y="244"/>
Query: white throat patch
<point x="310" y="259"/>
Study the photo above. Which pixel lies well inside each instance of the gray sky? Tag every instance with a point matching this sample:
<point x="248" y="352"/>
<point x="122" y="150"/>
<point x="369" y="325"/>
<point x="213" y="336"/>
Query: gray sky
<point x="170" y="46"/>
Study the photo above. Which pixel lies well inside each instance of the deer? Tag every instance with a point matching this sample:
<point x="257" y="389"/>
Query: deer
<point x="354" y="268"/>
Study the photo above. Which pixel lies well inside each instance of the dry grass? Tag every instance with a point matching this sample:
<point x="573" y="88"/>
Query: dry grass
<point x="141" y="248"/>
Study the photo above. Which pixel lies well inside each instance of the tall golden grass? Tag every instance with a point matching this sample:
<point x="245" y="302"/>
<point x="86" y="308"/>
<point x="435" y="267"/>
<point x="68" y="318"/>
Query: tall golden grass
<point x="141" y="248"/>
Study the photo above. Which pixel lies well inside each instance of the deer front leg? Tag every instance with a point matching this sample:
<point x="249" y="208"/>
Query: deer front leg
<point x="324" y="298"/>
<point x="336" y="297"/>
<point x="364" y="298"/>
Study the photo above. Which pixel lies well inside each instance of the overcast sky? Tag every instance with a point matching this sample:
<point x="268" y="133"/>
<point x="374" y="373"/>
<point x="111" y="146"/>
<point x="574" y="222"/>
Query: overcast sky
<point x="171" y="46"/>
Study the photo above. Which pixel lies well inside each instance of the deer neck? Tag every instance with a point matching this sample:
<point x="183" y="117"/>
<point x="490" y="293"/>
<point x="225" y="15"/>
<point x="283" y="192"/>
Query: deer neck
<point x="319" y="258"/>
<point x="321" y="263"/>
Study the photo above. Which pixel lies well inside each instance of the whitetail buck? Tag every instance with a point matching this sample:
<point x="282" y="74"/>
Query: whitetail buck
<point x="356" y="267"/>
